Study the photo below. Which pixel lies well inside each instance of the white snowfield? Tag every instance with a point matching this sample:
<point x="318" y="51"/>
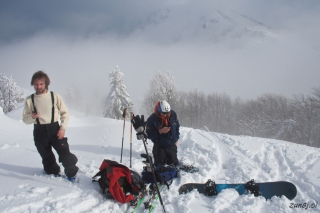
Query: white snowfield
<point x="222" y="158"/>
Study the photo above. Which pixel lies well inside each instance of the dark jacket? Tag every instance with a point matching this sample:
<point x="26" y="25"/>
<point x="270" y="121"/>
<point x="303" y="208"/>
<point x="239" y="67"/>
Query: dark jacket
<point x="164" y="139"/>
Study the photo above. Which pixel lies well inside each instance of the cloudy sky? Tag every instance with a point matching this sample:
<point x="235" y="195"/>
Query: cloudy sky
<point x="242" y="48"/>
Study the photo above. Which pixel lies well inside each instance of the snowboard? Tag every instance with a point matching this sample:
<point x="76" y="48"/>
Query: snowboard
<point x="265" y="189"/>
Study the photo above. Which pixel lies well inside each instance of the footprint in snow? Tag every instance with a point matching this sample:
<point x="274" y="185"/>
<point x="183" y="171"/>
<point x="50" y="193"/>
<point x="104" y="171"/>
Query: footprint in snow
<point x="5" y="146"/>
<point x="42" y="190"/>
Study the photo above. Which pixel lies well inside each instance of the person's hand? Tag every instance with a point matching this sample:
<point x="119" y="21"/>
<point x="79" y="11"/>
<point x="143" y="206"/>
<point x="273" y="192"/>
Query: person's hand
<point x="139" y="125"/>
<point x="35" y="115"/>
<point x="60" y="134"/>
<point x="176" y="143"/>
<point x="164" y="130"/>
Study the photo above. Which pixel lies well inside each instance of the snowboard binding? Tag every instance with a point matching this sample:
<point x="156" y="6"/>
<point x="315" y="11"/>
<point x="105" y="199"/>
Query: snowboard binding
<point x="146" y="157"/>
<point x="253" y="188"/>
<point x="134" y="202"/>
<point x="210" y="188"/>
<point x="153" y="193"/>
<point x="147" y="162"/>
<point x="138" y="197"/>
<point x="147" y="205"/>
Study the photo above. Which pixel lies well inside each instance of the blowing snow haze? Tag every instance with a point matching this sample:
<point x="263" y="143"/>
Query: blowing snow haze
<point x="242" y="48"/>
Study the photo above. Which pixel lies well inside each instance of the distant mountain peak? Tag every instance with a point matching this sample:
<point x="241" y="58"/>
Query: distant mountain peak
<point x="214" y="25"/>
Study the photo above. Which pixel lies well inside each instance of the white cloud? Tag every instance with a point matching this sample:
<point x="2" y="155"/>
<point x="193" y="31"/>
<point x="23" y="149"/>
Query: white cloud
<point x="205" y="45"/>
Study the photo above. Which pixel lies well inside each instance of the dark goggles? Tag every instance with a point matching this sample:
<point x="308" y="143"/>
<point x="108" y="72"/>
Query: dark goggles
<point x="165" y="113"/>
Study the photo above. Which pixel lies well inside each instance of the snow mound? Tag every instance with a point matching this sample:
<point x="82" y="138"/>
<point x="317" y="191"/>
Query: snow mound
<point x="220" y="157"/>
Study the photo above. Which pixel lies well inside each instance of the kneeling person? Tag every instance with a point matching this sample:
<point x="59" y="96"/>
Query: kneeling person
<point x="163" y="130"/>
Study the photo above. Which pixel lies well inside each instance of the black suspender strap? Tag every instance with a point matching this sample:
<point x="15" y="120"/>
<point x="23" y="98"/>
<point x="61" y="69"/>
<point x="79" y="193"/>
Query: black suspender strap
<point x="52" y="114"/>
<point x="34" y="108"/>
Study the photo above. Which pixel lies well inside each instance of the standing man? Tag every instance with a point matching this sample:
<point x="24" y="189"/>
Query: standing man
<point x="163" y="130"/>
<point x="44" y="109"/>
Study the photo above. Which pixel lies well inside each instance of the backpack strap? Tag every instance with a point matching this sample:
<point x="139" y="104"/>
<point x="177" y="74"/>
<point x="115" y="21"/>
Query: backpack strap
<point x="34" y="108"/>
<point x="52" y="113"/>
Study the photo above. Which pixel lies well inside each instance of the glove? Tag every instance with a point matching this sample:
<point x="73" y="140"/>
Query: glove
<point x="139" y="125"/>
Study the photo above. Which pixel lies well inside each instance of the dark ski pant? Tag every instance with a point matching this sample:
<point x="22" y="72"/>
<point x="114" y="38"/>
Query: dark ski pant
<point x="45" y="137"/>
<point x="165" y="155"/>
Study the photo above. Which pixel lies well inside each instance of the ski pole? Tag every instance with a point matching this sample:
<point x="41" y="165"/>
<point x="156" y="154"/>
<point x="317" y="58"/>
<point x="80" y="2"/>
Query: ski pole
<point x="152" y="170"/>
<point x="131" y="116"/>
<point x="124" y="124"/>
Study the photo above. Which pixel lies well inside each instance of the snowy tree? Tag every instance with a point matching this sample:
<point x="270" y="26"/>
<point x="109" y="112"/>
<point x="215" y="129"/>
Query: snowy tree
<point x="316" y="96"/>
<point x="161" y="87"/>
<point x="1" y="96"/>
<point x="275" y="112"/>
<point x="74" y="98"/>
<point x="118" y="99"/>
<point x="220" y="114"/>
<point x="10" y="94"/>
<point x="88" y="102"/>
<point x="250" y="119"/>
<point x="315" y="132"/>
<point x="98" y="98"/>
<point x="180" y="107"/>
<point x="305" y="113"/>
<point x="195" y="111"/>
<point x="289" y="130"/>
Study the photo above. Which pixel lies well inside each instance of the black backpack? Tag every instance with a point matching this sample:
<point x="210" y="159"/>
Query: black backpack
<point x="164" y="174"/>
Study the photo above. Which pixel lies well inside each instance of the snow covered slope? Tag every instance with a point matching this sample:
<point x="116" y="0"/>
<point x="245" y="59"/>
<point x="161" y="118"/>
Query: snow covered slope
<point x="220" y="157"/>
<point x="211" y="25"/>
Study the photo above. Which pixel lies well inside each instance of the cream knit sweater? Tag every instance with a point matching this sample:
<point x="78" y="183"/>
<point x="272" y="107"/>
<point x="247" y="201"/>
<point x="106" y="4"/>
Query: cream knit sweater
<point x="43" y="105"/>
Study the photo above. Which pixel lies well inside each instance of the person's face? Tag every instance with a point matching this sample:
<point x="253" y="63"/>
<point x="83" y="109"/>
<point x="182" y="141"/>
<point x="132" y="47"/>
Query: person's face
<point x="40" y="86"/>
<point x="164" y="114"/>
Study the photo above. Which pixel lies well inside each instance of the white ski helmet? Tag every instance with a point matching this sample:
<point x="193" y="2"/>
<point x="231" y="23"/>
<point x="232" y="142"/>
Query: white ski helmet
<point x="164" y="106"/>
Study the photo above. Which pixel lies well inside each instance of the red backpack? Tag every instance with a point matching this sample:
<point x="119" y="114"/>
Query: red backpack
<point x="118" y="181"/>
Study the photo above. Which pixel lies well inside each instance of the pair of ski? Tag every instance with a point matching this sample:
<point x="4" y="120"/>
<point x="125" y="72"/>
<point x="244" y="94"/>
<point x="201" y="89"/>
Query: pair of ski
<point x="150" y="193"/>
<point x="150" y="190"/>
<point x="182" y="167"/>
